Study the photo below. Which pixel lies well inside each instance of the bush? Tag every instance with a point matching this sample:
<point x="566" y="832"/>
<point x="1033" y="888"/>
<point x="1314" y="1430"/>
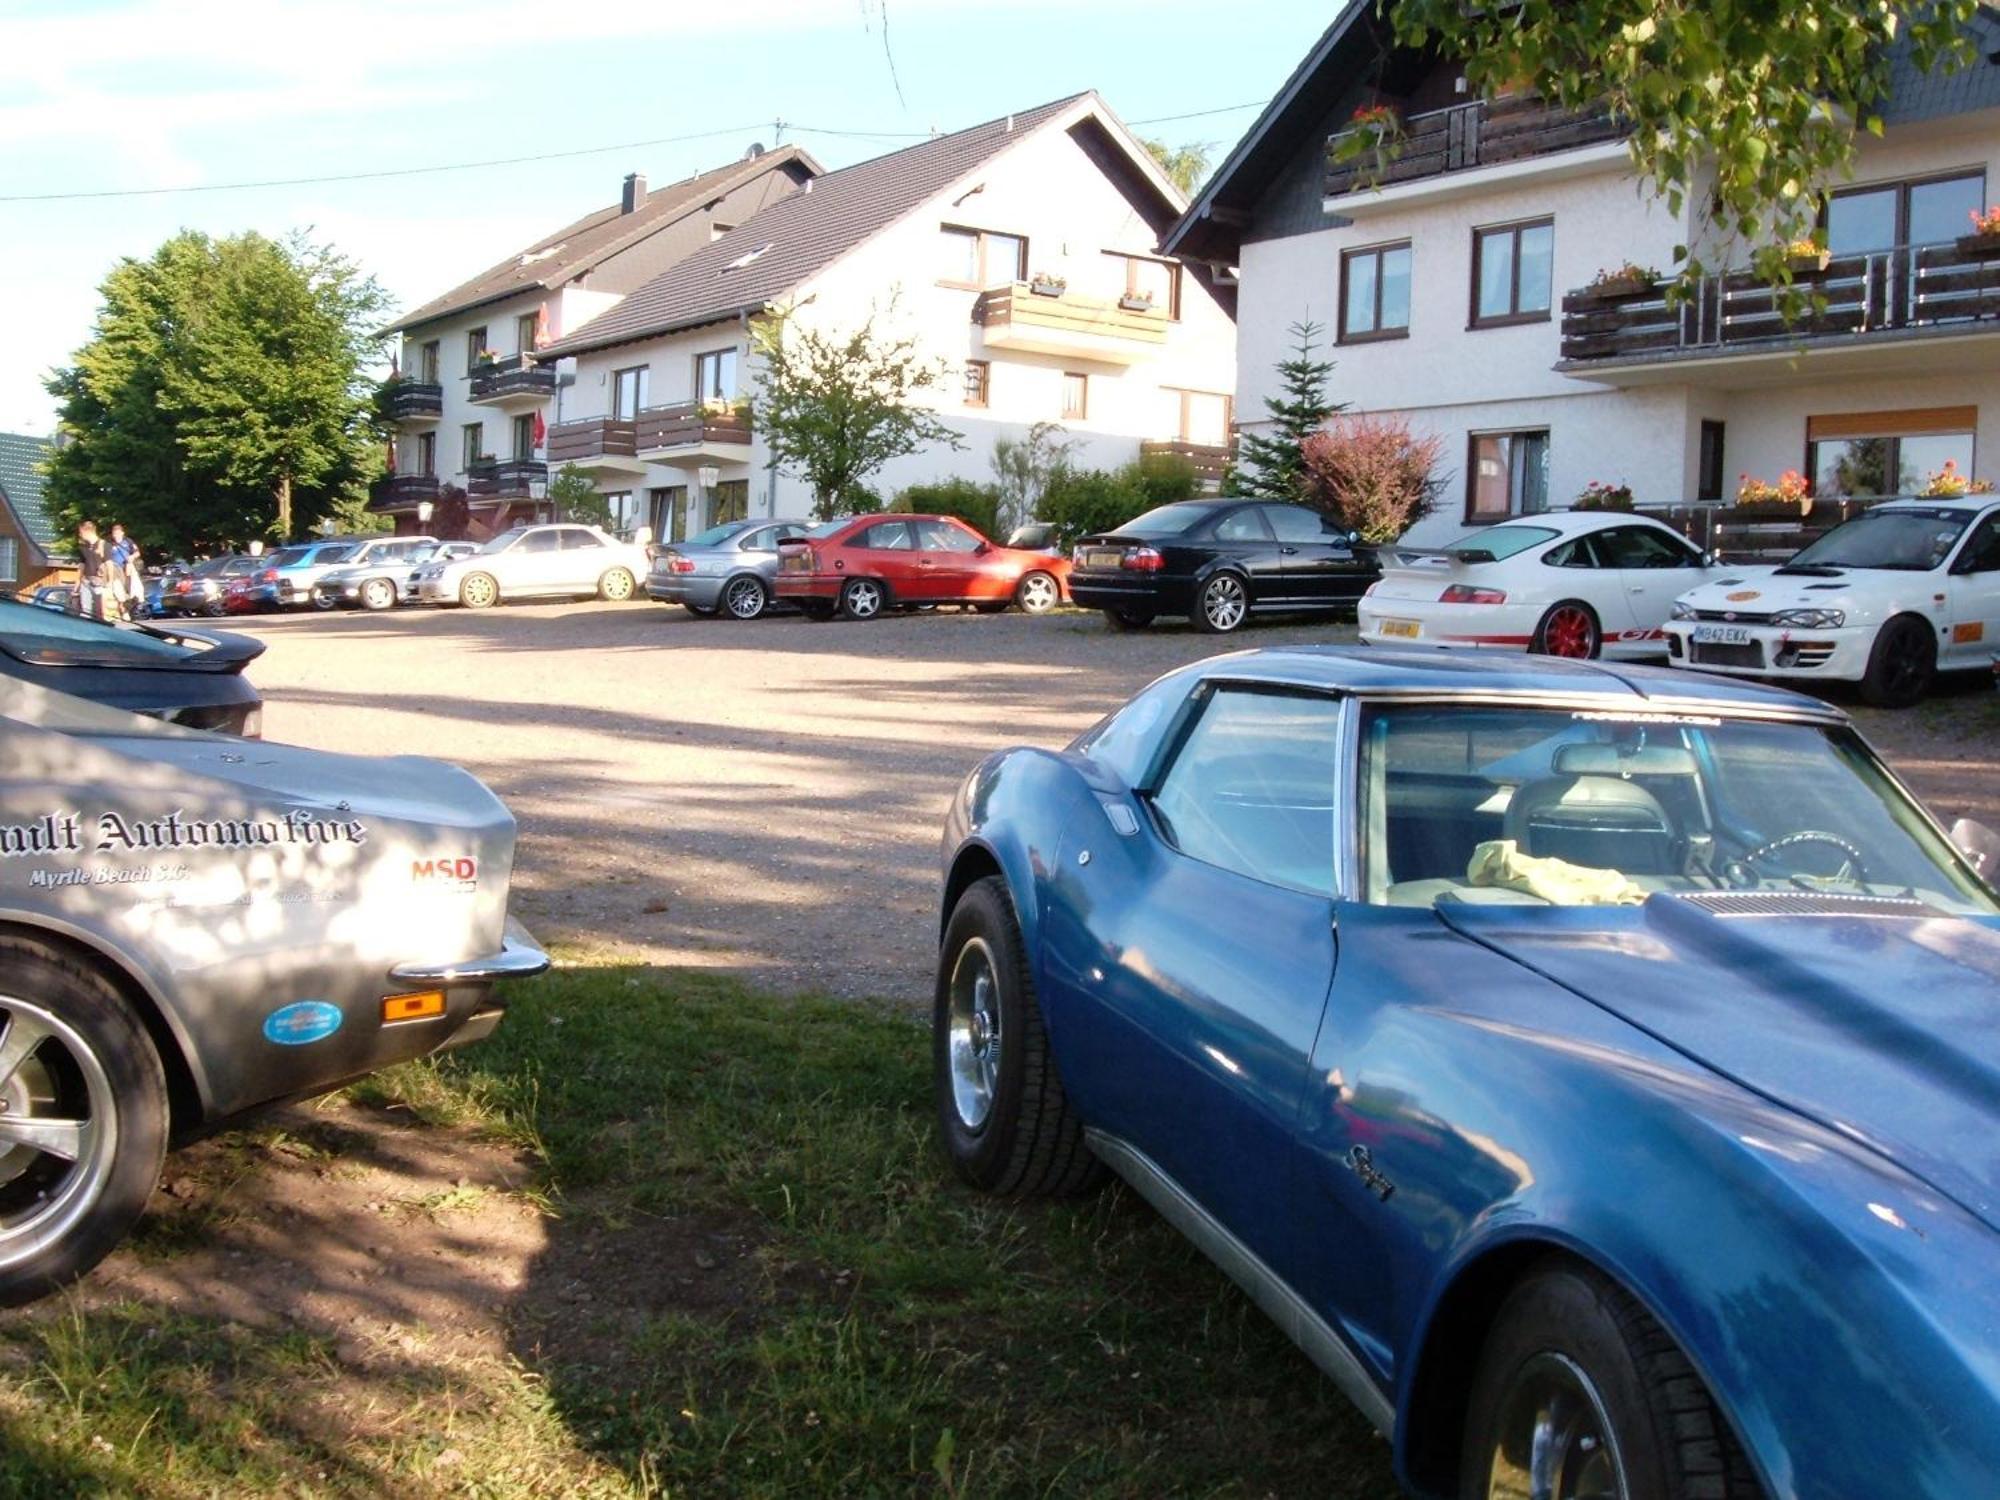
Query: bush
<point x="976" y="504"/>
<point x="1371" y="474"/>
<point x="1164" y="478"/>
<point x="1078" y="502"/>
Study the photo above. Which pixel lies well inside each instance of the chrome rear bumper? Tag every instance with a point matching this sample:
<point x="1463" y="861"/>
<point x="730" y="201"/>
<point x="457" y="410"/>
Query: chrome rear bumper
<point x="518" y="958"/>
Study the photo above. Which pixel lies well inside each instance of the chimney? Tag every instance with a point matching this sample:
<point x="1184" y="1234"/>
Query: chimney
<point x="635" y="192"/>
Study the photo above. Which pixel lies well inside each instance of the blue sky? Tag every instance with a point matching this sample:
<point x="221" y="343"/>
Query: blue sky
<point x="135" y="94"/>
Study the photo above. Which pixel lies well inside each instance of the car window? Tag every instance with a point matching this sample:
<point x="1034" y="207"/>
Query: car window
<point x="1902" y="540"/>
<point x="1982" y="548"/>
<point x="1246" y="525"/>
<point x="1574" y="553"/>
<point x="1166" y="520"/>
<point x="942" y="536"/>
<point x="763" y="539"/>
<point x="540" y="541"/>
<point x="339" y="552"/>
<point x="285" y="557"/>
<point x="1642" y="547"/>
<point x="1251" y="788"/>
<point x="1504" y="541"/>
<point x="1294" y="523"/>
<point x="577" y="539"/>
<point x="888" y="536"/>
<point x="47" y="637"/>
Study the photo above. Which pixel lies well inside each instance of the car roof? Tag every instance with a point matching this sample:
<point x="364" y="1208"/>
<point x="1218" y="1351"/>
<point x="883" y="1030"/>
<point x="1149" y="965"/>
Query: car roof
<point x="1970" y="504"/>
<point x="1569" y="522"/>
<point x="1440" y="671"/>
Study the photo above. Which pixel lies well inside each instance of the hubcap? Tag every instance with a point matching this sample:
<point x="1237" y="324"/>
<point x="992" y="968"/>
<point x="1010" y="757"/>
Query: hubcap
<point x="1222" y="602"/>
<point x="1568" y="633"/>
<point x="378" y="594"/>
<point x="863" y="599"/>
<point x="1038" y="594"/>
<point x="478" y="591"/>
<point x="1554" y="1440"/>
<point x="618" y="585"/>
<point x="746" y="599"/>
<point x="58" y="1129"/>
<point x="972" y="1033"/>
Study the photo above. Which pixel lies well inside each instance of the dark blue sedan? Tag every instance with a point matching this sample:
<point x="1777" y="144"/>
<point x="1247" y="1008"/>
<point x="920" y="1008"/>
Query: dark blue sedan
<point x="1594" y="1069"/>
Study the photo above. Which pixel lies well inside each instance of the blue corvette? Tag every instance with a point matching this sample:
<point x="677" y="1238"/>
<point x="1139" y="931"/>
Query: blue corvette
<point x="1594" y="1069"/>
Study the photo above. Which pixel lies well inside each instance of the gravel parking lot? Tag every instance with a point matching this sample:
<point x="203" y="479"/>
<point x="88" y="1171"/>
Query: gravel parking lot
<point x="766" y="798"/>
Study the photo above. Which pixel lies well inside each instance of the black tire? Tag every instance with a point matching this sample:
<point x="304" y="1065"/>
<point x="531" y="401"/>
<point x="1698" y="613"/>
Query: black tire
<point x="745" y="597"/>
<point x="617" y="585"/>
<point x="863" y="598"/>
<point x="989" y="609"/>
<point x="1128" y="619"/>
<point x="699" y="611"/>
<point x="1662" y="1430"/>
<point x="378" y="594"/>
<point x="322" y="601"/>
<point x="1902" y="664"/>
<point x="103" y="1071"/>
<point x="1222" y="604"/>
<point x="478" y="591"/>
<point x="1569" y="628"/>
<point x="215" y="609"/>
<point x="1028" y="1142"/>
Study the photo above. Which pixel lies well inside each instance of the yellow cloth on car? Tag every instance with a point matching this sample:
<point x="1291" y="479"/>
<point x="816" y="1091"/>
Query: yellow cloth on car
<point x="1500" y="862"/>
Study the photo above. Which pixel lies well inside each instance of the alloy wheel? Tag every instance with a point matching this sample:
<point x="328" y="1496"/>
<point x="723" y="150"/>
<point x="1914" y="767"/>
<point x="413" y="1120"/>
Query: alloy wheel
<point x="972" y="1022"/>
<point x="1038" y="594"/>
<point x="1569" y="631"/>
<point x="1554" y="1440"/>
<point x="478" y="591"/>
<point x="862" y="599"/>
<point x="58" y="1128"/>
<point x="378" y="593"/>
<point x="1224" y="603"/>
<point x="744" y="599"/>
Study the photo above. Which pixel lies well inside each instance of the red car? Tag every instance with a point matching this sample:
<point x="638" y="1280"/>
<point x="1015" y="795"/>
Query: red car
<point x="862" y="565"/>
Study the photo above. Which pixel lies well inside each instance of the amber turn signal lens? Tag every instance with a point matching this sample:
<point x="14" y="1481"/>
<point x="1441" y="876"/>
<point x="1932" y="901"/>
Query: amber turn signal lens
<point x="418" y="1007"/>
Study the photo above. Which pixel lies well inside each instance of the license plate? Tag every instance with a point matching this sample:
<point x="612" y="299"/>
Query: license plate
<point x="1103" y="557"/>
<point x="1407" y="630"/>
<point x="1721" y="635"/>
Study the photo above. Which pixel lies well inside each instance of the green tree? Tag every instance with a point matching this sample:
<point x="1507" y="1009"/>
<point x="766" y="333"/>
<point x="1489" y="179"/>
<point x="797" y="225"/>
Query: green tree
<point x="976" y="504"/>
<point x="572" y="496"/>
<point x="1186" y="166"/>
<point x="1764" y="98"/>
<point x="1272" y="464"/>
<point x="222" y="395"/>
<point x="1025" y="467"/>
<point x="836" y="407"/>
<point x="1081" y="502"/>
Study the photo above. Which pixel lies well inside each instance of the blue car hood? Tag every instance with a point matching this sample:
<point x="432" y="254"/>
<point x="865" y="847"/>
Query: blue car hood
<point x="1886" y="1029"/>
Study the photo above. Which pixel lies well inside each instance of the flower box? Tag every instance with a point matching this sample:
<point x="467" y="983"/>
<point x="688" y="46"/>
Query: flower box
<point x="1805" y="267"/>
<point x="1774" y="510"/>
<point x="1980" y="246"/>
<point x="1136" y="304"/>
<point x="1048" y="286"/>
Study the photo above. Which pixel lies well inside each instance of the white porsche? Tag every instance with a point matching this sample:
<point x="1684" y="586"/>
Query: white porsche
<point x="1903" y="591"/>
<point x="1568" y="583"/>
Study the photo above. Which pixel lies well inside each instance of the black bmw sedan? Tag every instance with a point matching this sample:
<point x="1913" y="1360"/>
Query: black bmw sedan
<point x="194" y="678"/>
<point x="1218" y="562"/>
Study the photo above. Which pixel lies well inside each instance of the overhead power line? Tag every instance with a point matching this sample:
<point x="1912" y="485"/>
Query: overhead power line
<point x="379" y="174"/>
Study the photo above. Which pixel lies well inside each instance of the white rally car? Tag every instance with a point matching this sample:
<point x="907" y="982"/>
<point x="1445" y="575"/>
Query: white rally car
<point x="1903" y="591"/>
<point x="1568" y="583"/>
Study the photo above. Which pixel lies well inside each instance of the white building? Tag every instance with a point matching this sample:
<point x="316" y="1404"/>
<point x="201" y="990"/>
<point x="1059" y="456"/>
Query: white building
<point x="470" y="404"/>
<point x="940" y="242"/>
<point x="1456" y="290"/>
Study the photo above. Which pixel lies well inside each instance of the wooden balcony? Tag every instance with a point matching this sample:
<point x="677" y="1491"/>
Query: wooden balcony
<point x="1210" y="460"/>
<point x="1869" y="306"/>
<point x="1073" y="325"/>
<point x="516" y="383"/>
<point x="412" y="401"/>
<point x="608" y="443"/>
<point x="506" y="478"/>
<point x="1484" y="133"/>
<point x="693" y="433"/>
<point x="402" y="491"/>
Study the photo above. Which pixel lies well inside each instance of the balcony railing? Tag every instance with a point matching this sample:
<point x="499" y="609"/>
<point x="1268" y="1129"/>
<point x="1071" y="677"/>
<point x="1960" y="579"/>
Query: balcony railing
<point x="1484" y="133"/>
<point x="1739" y="536"/>
<point x="1210" y="460"/>
<point x="1883" y="294"/>
<point x="592" y="439"/>
<point x="398" y="490"/>
<point x="691" y="424"/>
<point x="506" y="477"/>
<point x="1098" y="328"/>
<point x="514" y="378"/>
<point x="412" y="400"/>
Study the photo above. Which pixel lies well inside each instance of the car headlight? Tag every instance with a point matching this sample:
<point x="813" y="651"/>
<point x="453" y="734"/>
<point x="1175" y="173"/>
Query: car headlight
<point x="1811" y="619"/>
<point x="1682" y="610"/>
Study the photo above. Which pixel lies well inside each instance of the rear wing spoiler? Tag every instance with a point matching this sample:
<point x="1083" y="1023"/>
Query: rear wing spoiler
<point x="1410" y="556"/>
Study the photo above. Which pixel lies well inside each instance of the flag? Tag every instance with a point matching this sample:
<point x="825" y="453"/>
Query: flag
<point x="541" y="433"/>
<point x="541" y="325"/>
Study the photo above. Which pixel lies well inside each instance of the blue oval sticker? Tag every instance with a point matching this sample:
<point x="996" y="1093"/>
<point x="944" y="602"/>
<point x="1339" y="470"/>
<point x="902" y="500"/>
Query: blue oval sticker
<point x="301" y="1022"/>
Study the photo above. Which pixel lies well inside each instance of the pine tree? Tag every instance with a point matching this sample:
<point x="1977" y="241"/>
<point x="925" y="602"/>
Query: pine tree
<point x="1272" y="464"/>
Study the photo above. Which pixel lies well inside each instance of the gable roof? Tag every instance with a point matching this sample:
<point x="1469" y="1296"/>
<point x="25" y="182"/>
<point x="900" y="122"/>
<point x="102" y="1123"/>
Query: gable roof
<point x="772" y="252"/>
<point x="1212" y="227"/>
<point x="21" y="486"/>
<point x="596" y="237"/>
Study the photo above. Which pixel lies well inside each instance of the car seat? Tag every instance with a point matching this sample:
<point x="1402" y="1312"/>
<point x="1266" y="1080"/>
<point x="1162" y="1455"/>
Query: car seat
<point x="1606" y="822"/>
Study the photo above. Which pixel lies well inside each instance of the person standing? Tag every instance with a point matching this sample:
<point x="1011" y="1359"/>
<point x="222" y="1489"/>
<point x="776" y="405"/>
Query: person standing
<point x="93" y="571"/>
<point x="129" y="584"/>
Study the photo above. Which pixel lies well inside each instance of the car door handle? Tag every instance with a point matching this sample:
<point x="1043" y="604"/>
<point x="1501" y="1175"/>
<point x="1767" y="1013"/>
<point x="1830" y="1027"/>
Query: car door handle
<point x="1288" y="551"/>
<point x="925" y="562"/>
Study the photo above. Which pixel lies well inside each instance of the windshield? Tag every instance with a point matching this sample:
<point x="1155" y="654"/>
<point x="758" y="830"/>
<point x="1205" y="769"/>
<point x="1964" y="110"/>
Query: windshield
<point x="284" y="557"/>
<point x="339" y="552"/>
<point x="1504" y="541"/>
<point x="49" y="638"/>
<point x="1167" y="520"/>
<point x="828" y="528"/>
<point x="1560" y="808"/>
<point x="715" y="536"/>
<point x="503" y="541"/>
<point x="1908" y="541"/>
<point x="213" y="566"/>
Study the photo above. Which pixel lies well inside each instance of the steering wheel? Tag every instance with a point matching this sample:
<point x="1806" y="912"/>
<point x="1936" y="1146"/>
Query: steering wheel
<point x="1857" y="867"/>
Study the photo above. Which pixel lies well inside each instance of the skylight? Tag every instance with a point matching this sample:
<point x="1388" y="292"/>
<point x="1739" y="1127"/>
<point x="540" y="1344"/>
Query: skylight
<point x="743" y="260"/>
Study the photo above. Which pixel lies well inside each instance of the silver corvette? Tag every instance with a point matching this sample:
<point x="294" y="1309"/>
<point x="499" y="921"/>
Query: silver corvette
<point x="193" y="925"/>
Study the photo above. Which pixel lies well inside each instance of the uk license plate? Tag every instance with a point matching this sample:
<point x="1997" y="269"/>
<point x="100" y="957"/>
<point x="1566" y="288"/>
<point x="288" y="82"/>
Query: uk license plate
<point x="1103" y="557"/>
<point x="1721" y="635"/>
<point x="1407" y="630"/>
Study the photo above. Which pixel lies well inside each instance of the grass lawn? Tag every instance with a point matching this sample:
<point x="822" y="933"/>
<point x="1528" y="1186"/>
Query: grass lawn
<point x="758" y="1279"/>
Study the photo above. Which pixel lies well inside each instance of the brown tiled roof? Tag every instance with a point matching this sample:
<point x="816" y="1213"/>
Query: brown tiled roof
<point x="575" y="248"/>
<point x="771" y="252"/>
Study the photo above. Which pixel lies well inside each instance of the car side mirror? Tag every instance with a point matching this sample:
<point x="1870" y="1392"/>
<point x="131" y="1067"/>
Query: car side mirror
<point x="1980" y="845"/>
<point x="982" y="549"/>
